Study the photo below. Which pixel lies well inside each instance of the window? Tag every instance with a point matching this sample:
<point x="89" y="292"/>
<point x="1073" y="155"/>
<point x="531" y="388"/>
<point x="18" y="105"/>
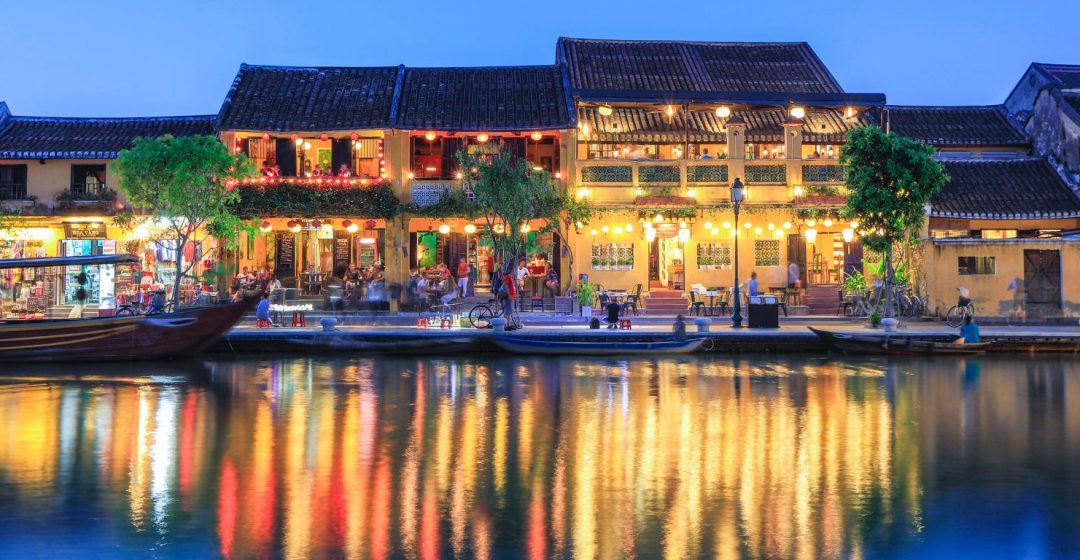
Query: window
<point x="612" y="256"/>
<point x="12" y="182"/>
<point x="968" y="266"/>
<point x="999" y="234"/>
<point x="949" y="233"/>
<point x="766" y="252"/>
<point x="764" y="151"/>
<point x="87" y="180"/>
<point x="713" y="256"/>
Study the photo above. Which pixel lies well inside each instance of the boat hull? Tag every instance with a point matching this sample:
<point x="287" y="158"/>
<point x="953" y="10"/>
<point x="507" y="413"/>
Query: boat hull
<point x="119" y="338"/>
<point x="329" y="342"/>
<point x="902" y="345"/>
<point x="552" y="348"/>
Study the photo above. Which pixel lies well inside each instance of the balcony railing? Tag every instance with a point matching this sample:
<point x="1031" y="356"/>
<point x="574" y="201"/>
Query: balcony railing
<point x="429" y="193"/>
<point x="769" y="174"/>
<point x="653" y="172"/>
<point x="818" y="173"/>
<point x="87" y="191"/>
<point x="12" y="191"/>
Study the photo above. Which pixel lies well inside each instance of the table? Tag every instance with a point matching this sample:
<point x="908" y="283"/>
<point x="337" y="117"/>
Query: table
<point x="712" y="305"/>
<point x="313" y="281"/>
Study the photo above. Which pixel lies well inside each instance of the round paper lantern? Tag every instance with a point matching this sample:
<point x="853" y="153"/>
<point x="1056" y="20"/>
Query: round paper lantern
<point x="370" y="224"/>
<point x="316" y="224"/>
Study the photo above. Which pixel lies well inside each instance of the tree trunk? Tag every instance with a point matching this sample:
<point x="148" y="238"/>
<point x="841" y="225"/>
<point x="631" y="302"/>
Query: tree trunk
<point x="889" y="280"/>
<point x="181" y="242"/>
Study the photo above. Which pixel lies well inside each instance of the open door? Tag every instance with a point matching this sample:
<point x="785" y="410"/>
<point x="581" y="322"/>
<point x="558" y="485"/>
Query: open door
<point x="796" y="253"/>
<point x="1042" y="282"/>
<point x="853" y="255"/>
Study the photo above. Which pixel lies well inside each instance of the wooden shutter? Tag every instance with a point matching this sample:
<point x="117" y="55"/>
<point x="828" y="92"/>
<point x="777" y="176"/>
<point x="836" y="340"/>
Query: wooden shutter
<point x="286" y="157"/>
<point x="450" y="147"/>
<point x="796" y="253"/>
<point x="341" y="154"/>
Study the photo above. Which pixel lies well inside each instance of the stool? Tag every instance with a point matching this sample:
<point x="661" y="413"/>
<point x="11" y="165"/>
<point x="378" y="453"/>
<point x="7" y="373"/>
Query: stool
<point x="299" y="319"/>
<point x="535" y="301"/>
<point x="624" y="324"/>
<point x="262" y="323"/>
<point x="422" y="323"/>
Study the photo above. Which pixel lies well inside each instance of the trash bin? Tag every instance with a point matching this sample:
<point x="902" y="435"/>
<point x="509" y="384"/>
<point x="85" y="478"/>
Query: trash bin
<point x="764" y="312"/>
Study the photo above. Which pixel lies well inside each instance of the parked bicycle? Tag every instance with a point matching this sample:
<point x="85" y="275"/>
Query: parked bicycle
<point x="157" y="306"/>
<point x="481" y="314"/>
<point x="963" y="309"/>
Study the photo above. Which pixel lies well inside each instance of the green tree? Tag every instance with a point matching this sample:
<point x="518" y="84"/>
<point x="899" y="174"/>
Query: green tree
<point x="890" y="180"/>
<point x="508" y="192"/>
<point x="181" y="189"/>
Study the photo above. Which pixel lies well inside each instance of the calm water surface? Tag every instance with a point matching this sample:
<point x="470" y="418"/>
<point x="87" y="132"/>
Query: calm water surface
<point x="754" y="457"/>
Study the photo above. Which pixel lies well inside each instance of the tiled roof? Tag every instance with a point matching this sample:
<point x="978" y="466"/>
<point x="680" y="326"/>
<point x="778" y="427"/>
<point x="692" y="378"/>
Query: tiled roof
<point x="642" y="125"/>
<point x="477" y="99"/>
<point x="76" y="138"/>
<point x="1073" y="101"/>
<point x="1024" y="188"/>
<point x="287" y="98"/>
<point x="955" y="126"/>
<point x="1064" y="75"/>
<point x="683" y="66"/>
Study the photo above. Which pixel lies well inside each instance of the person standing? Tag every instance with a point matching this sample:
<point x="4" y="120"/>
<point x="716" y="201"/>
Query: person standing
<point x="793" y="275"/>
<point x="508" y="291"/>
<point x="463" y="277"/>
<point x="752" y="285"/>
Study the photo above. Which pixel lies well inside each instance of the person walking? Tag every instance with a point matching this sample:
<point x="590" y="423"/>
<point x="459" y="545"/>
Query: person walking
<point x="463" y="277"/>
<point x="508" y="293"/>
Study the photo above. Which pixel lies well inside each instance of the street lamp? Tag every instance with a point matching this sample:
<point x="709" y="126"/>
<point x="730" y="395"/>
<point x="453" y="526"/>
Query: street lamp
<point x="738" y="193"/>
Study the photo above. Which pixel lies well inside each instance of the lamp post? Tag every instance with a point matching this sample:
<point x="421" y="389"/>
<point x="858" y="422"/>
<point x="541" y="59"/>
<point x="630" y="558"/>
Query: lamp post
<point x="738" y="192"/>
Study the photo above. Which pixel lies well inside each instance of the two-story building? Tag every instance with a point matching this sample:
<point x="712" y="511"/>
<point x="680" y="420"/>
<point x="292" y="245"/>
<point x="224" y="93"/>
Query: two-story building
<point x="54" y="173"/>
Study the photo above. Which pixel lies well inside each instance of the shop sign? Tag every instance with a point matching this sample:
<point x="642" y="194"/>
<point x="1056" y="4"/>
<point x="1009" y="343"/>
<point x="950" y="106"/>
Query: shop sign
<point x="666" y="230"/>
<point x="84" y="230"/>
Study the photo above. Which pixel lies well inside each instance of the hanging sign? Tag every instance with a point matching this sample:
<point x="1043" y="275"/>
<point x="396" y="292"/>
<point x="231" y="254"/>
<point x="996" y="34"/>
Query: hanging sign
<point x="84" y="230"/>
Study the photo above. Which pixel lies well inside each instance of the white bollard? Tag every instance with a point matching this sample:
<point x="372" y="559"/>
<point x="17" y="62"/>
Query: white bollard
<point x="498" y="324"/>
<point x="703" y="324"/>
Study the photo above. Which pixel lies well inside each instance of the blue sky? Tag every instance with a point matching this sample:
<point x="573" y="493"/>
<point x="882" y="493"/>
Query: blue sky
<point x="131" y="58"/>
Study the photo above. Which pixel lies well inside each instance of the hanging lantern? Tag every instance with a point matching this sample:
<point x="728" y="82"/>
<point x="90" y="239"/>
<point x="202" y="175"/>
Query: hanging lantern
<point x="526" y="228"/>
<point x="323" y="137"/>
<point x="723" y="111"/>
<point x="715" y="231"/>
<point x="307" y="145"/>
<point x="482" y="138"/>
<point x="811" y="235"/>
<point x="757" y="231"/>
<point x="854" y="225"/>
<point x="786" y="225"/>
<point x="618" y="230"/>
<point x="291" y="224"/>
<point x="316" y="224"/>
<point x="265" y="226"/>
<point x="726" y="225"/>
<point x="779" y="234"/>
<point x="293" y="136"/>
<point x="849" y="234"/>
<point x="827" y="222"/>
<point x="536" y="136"/>
<point x="650" y="235"/>
<point x="346" y="223"/>
<point x="429" y="136"/>
<point x="798" y="112"/>
<point x="604" y="229"/>
<point x="370" y="224"/>
<point x="592" y="232"/>
<point x="811" y="222"/>
<point x="629" y="228"/>
<point x="354" y="136"/>
<point x="684" y="235"/>
<point x="605" y="110"/>
<point x="670" y="111"/>
<point x="266" y="136"/>
<point x="444" y="229"/>
<point x="470" y="228"/>
<point x="298" y="141"/>
<point x="772" y="226"/>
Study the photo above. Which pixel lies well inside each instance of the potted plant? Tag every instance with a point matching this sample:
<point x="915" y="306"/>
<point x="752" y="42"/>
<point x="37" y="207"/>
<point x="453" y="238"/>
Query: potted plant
<point x="596" y="263"/>
<point x="586" y="293"/>
<point x="875" y="318"/>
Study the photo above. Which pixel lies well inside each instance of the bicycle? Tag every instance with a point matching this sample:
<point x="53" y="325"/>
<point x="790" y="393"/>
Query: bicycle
<point x="157" y="306"/>
<point x="959" y="313"/>
<point x="481" y="314"/>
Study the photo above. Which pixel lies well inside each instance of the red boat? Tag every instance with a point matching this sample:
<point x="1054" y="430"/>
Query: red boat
<point x="113" y="338"/>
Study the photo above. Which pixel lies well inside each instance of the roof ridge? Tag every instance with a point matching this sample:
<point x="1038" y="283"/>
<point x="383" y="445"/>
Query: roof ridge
<point x="992" y="106"/>
<point x="171" y="118"/>
<point x="247" y="66"/>
<point x="502" y="67"/>
<point x="684" y="41"/>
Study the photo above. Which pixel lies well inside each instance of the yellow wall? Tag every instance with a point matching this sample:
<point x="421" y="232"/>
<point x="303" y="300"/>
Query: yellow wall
<point x="45" y="180"/>
<point x="990" y="292"/>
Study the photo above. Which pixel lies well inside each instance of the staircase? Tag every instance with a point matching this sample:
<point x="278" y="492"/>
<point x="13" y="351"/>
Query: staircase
<point x="662" y="301"/>
<point x="821" y="299"/>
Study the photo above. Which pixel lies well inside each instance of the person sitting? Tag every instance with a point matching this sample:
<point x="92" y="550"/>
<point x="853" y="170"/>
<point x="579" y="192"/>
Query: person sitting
<point x="520" y="275"/>
<point x="262" y="312"/>
<point x="552" y="282"/>
<point x="678" y="328"/>
<point x="448" y="289"/>
<point x="422" y="288"/>
<point x="344" y="171"/>
<point x="969" y="331"/>
<point x="705" y="154"/>
<point x="613" y="309"/>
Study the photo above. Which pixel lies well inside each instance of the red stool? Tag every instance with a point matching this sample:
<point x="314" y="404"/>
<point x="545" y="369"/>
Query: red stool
<point x="422" y="323"/>
<point x="262" y="323"/>
<point x="624" y="324"/>
<point x="298" y="319"/>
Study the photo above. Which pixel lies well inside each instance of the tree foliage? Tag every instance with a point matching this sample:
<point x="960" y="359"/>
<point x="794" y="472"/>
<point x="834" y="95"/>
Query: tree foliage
<point x="181" y="189"/>
<point x="890" y="180"/>
<point x="508" y="193"/>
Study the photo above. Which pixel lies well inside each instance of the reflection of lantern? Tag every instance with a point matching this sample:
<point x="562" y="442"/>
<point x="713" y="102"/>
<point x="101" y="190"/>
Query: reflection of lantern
<point x="470" y="228"/>
<point x="444" y="229"/>
<point x="849" y="234"/>
<point x="811" y="235"/>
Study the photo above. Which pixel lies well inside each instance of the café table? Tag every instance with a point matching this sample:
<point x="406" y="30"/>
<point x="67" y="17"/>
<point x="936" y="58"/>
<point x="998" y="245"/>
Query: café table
<point x="714" y="307"/>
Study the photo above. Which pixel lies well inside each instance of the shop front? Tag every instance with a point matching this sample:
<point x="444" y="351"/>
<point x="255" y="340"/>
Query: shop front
<point x="302" y="252"/>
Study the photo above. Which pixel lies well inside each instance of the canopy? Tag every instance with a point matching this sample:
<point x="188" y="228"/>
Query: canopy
<point x="68" y="261"/>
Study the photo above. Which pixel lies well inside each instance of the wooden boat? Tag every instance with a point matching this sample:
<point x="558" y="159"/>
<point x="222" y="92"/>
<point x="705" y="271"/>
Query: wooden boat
<point x="855" y="343"/>
<point x="613" y="348"/>
<point x="344" y="342"/>
<point x="113" y="338"/>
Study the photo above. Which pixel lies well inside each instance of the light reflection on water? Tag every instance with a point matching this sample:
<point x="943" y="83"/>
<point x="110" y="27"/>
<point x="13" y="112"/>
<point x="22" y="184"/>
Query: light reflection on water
<point x="751" y="457"/>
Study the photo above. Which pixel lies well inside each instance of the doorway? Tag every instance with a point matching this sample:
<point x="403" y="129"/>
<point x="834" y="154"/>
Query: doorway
<point x="1042" y="281"/>
<point x="666" y="268"/>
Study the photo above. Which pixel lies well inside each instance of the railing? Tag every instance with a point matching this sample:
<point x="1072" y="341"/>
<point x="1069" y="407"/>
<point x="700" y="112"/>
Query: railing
<point x="428" y="193"/>
<point x="768" y="173"/>
<point x="91" y="191"/>
<point x="12" y="191"/>
<point x="653" y="172"/>
<point x="818" y="173"/>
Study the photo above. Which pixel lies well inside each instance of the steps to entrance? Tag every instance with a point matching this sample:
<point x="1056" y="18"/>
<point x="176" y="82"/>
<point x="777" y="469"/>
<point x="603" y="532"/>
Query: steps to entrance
<point x="661" y="301"/>
<point x="821" y="299"/>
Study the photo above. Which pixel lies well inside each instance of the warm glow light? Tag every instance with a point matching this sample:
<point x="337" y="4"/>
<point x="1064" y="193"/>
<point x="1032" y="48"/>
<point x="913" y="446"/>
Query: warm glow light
<point x="299" y="141"/>
<point x="778" y="234"/>
<point x="582" y="192"/>
<point x="429" y="136"/>
<point x="482" y="138"/>
<point x="558" y="174"/>
<point x="811" y="235"/>
<point x="811" y="223"/>
<point x="604" y="110"/>
<point x="850" y="112"/>
<point x="470" y="228"/>
<point x="854" y="225"/>
<point x="708" y="225"/>
<point x="537" y="168"/>
<point x="684" y="235"/>
<point x="798" y="112"/>
<point x="772" y="226"/>
<point x="723" y="111"/>
<point x="618" y="230"/>
<point x="797" y="190"/>
<point x="670" y="110"/>
<point x="585" y="130"/>
<point x="827" y="222"/>
<point x="786" y="225"/>
<point x="604" y="229"/>
<point x="592" y="232"/>
<point x="682" y="224"/>
<point x="639" y="191"/>
<point x="458" y="175"/>
<point x="525" y="228"/>
<point x="295" y="228"/>
<point x="629" y="228"/>
<point x="444" y="229"/>
<point x="658" y="218"/>
<point x="536" y="136"/>
<point x="748" y="225"/>
<point x="579" y="225"/>
<point x="716" y="231"/>
<point x="691" y="193"/>
<point x="412" y="175"/>
<point x="307" y="145"/>
<point x="757" y="231"/>
<point x="650" y="235"/>
<point x="726" y="225"/>
<point x="849" y="234"/>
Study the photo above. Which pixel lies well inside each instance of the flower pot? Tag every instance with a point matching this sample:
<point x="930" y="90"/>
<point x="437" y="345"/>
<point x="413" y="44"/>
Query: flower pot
<point x="586" y="311"/>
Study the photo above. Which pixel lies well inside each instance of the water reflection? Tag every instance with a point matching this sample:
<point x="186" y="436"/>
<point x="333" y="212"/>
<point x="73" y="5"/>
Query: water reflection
<point x="757" y="457"/>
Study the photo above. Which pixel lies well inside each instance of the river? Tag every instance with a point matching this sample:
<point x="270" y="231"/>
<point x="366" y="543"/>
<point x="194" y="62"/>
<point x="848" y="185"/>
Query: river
<point x="754" y="456"/>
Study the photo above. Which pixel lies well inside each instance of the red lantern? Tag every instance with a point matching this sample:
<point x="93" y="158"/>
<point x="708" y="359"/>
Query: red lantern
<point x="291" y="224"/>
<point x="354" y="136"/>
<point x="266" y="136"/>
<point x="322" y="136"/>
<point x="265" y="224"/>
<point x="346" y="223"/>
<point x="370" y="224"/>
<point x="293" y="137"/>
<point x="316" y="224"/>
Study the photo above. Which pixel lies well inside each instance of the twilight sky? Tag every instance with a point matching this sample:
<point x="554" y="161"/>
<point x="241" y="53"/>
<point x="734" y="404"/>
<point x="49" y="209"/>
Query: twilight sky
<point x="135" y="58"/>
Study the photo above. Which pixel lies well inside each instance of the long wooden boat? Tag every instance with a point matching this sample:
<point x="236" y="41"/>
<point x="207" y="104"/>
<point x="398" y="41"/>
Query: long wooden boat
<point x="899" y="345"/>
<point x="549" y="347"/>
<point x="113" y="338"/>
<point x="344" y="342"/>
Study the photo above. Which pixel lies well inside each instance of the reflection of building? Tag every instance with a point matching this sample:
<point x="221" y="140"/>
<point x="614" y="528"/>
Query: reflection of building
<point x="54" y="172"/>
